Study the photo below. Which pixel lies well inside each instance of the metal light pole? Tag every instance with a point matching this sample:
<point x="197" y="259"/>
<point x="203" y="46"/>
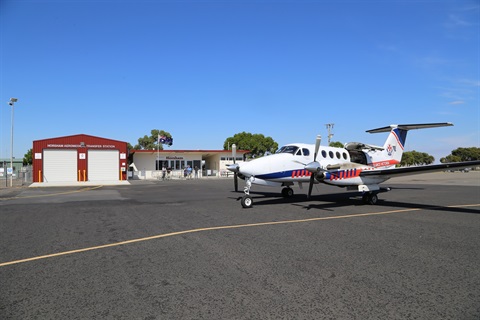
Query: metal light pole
<point x="12" y="103"/>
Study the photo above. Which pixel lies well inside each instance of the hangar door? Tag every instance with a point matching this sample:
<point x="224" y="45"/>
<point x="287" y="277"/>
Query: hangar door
<point x="103" y="165"/>
<point x="59" y="165"/>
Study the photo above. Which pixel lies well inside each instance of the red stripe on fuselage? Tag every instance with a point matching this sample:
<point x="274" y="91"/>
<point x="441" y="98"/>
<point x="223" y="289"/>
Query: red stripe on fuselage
<point x="300" y="173"/>
<point x="345" y="174"/>
<point x="385" y="163"/>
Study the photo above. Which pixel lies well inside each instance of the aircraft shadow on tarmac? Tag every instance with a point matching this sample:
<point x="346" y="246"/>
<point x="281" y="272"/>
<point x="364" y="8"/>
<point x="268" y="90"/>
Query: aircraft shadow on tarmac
<point x="337" y="200"/>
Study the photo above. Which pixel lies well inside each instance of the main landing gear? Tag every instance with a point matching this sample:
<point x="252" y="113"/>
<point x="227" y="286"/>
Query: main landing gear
<point x="370" y="198"/>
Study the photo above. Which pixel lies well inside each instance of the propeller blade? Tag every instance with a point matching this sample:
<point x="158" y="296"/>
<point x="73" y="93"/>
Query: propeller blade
<point x="310" y="185"/>
<point x="235" y="177"/>
<point x="313" y="167"/>
<point x="296" y="161"/>
<point x="317" y="146"/>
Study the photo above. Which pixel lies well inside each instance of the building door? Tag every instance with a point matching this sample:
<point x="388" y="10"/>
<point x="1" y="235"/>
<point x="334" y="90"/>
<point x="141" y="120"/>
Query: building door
<point x="103" y="165"/>
<point x="59" y="165"/>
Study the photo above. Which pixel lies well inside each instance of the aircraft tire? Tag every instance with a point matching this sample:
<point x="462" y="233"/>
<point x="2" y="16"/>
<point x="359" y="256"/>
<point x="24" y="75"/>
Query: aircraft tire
<point x="247" y="201"/>
<point x="287" y="192"/>
<point x="370" y="198"/>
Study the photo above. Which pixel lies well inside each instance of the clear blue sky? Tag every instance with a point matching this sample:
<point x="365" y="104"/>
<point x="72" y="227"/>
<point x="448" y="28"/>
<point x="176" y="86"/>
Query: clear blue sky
<point x="205" y="70"/>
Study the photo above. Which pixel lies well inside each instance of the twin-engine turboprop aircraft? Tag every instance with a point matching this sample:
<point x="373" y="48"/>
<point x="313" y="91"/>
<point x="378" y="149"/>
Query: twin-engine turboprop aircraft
<point x="357" y="166"/>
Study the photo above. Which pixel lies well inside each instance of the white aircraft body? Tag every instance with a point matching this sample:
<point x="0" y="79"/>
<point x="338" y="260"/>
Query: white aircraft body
<point x="357" y="166"/>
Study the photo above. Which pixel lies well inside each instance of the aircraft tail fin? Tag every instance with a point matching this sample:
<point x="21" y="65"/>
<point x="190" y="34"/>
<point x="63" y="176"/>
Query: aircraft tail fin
<point x="395" y="143"/>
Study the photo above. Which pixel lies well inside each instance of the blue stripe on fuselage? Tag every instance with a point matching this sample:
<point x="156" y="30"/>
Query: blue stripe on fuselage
<point x="275" y="175"/>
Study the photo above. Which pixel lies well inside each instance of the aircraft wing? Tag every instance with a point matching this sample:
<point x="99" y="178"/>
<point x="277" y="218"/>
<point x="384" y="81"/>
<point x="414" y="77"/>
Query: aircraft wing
<point x="405" y="171"/>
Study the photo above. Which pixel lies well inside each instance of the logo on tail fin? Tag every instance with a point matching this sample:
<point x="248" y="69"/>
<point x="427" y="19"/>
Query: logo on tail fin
<point x="391" y="149"/>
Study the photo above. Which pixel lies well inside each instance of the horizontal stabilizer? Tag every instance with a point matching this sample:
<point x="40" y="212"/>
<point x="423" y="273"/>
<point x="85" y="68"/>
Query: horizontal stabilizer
<point x="411" y="126"/>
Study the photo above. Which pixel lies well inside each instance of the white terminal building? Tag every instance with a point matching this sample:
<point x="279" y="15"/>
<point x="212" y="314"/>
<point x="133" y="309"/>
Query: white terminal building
<point x="148" y="164"/>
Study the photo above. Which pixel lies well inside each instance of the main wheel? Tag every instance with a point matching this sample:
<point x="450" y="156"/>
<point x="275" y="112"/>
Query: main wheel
<point x="365" y="198"/>
<point x="373" y="198"/>
<point x="287" y="192"/>
<point x="370" y="198"/>
<point x="247" y="201"/>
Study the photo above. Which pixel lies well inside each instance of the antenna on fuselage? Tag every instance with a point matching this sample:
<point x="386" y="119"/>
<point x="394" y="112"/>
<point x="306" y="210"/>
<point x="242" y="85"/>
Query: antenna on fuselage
<point x="330" y="134"/>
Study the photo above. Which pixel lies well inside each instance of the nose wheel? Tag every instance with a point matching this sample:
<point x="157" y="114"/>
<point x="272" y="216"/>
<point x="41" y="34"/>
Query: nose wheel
<point x="247" y="201"/>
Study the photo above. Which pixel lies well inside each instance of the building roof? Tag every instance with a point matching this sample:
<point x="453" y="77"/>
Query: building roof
<point x="79" y="135"/>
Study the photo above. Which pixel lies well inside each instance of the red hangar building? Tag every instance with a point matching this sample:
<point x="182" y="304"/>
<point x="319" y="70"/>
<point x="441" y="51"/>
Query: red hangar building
<point x="79" y="158"/>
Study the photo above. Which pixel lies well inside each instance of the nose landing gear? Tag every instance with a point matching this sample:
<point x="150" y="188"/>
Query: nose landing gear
<point x="246" y="200"/>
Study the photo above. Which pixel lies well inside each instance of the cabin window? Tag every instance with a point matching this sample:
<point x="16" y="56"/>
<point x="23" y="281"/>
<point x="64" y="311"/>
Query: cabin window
<point x="324" y="153"/>
<point x="330" y="154"/>
<point x="338" y="155"/>
<point x="345" y="156"/>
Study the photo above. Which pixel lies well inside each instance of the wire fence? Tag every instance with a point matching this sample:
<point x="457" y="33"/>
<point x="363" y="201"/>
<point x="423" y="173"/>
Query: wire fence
<point x="175" y="174"/>
<point x="18" y="179"/>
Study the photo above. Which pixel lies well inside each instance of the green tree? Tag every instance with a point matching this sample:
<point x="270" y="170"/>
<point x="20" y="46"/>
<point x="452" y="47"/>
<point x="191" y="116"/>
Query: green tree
<point x="130" y="154"/>
<point x="257" y="144"/>
<point x="462" y="154"/>
<point x="415" y="158"/>
<point x="28" y="158"/>
<point x="151" y="142"/>
<point x="336" y="144"/>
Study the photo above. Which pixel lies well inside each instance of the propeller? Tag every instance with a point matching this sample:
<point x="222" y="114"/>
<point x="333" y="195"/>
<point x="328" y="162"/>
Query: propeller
<point x="235" y="174"/>
<point x="313" y="167"/>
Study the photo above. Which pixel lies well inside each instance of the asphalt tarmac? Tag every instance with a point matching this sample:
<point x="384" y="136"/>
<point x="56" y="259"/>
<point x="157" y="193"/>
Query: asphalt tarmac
<point x="188" y="250"/>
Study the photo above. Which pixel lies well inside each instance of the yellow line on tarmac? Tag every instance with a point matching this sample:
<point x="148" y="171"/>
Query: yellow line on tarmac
<point x="217" y="228"/>
<point x="51" y="194"/>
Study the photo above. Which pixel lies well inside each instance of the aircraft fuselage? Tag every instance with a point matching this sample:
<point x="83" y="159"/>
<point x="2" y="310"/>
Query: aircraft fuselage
<point x="289" y="167"/>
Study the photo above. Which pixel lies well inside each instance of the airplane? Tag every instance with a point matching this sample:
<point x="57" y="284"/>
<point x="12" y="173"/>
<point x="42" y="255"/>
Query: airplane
<point x="357" y="166"/>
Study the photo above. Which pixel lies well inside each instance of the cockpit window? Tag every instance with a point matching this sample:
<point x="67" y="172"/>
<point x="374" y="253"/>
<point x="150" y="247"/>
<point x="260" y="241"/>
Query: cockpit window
<point x="306" y="152"/>
<point x="287" y="149"/>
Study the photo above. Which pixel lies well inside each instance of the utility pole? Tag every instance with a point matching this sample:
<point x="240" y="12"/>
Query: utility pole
<point x="330" y="134"/>
<point x="11" y="103"/>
